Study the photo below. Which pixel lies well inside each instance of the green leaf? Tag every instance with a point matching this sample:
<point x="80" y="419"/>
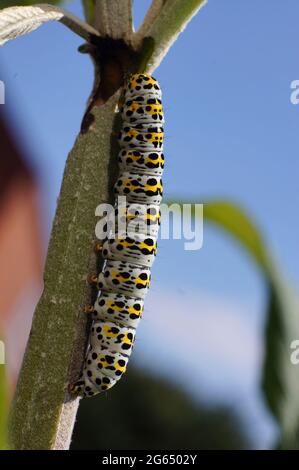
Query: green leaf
<point x="280" y="378"/>
<point x="237" y="223"/>
<point x="89" y="10"/>
<point x="16" y="21"/>
<point x="163" y="23"/>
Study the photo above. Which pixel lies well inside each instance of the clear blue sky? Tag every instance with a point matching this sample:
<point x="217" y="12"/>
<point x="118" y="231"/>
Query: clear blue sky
<point x="231" y="132"/>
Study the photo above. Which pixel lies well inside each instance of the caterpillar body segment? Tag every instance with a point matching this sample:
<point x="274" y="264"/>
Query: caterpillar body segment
<point x="118" y="308"/>
<point x="87" y="388"/>
<point x="139" y="218"/>
<point x="129" y="220"/>
<point x="143" y="84"/>
<point x="140" y="249"/>
<point x="136" y="161"/>
<point x="146" y="189"/>
<point x="125" y="277"/>
<point x="145" y="137"/>
<point x="141" y="109"/>
<point x="111" y="363"/>
<point x="112" y="336"/>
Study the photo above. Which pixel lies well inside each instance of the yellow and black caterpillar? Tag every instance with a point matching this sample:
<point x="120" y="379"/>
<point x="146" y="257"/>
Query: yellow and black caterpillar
<point x="125" y="277"/>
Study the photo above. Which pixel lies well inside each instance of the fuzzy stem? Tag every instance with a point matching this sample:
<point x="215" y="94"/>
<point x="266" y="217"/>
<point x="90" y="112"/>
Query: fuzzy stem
<point x="114" y="18"/>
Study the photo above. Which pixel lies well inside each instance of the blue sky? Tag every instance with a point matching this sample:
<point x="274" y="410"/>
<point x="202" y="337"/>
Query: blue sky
<point x="231" y="132"/>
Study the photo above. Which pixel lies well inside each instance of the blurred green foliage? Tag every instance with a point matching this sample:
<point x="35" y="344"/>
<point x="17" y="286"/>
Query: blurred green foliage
<point x="144" y="412"/>
<point x="280" y="378"/>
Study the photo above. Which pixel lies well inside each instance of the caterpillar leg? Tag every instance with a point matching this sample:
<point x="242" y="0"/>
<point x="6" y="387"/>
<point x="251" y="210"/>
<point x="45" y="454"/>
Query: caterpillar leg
<point x="88" y="309"/>
<point x="98" y="247"/>
<point x="92" y="279"/>
<point x="84" y="387"/>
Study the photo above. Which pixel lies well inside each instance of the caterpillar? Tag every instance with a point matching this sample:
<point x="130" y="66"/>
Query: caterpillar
<point x="125" y="277"/>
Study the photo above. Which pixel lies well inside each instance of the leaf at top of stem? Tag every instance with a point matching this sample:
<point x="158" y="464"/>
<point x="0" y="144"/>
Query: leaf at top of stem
<point x="164" y="22"/>
<point x="17" y="21"/>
